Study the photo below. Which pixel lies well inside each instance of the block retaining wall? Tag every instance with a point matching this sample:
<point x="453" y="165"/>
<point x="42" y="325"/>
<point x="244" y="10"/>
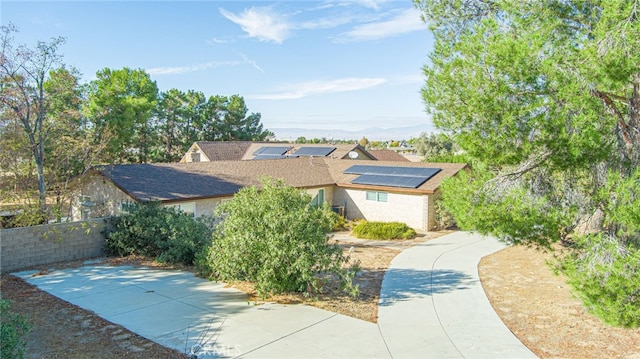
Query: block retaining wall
<point x="39" y="245"/>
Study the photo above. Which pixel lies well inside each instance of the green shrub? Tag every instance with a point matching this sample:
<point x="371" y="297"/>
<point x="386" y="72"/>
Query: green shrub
<point x="273" y="237"/>
<point x="337" y="222"/>
<point x="606" y="277"/>
<point x="164" y="233"/>
<point x="383" y="230"/>
<point x="13" y="329"/>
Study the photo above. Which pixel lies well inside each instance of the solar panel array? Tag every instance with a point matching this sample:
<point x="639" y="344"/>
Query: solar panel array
<point x="271" y="151"/>
<point x="315" y="151"/>
<point x="269" y="157"/>
<point x="404" y="177"/>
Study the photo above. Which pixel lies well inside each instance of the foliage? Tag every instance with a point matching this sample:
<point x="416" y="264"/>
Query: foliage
<point x="444" y="218"/>
<point x="433" y="146"/>
<point x="338" y="222"/>
<point x="514" y="215"/>
<point x="525" y="93"/>
<point x="273" y="236"/>
<point x="53" y="127"/>
<point x="23" y="73"/>
<point x="120" y="106"/>
<point x="544" y="99"/>
<point x="383" y="230"/>
<point x="164" y="233"/>
<point x="606" y="277"/>
<point x="13" y="329"/>
<point x="27" y="215"/>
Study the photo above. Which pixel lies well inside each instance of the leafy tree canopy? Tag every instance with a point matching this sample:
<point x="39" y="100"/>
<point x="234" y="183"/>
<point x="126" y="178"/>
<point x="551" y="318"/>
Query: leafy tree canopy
<point x="545" y="94"/>
<point x="544" y="98"/>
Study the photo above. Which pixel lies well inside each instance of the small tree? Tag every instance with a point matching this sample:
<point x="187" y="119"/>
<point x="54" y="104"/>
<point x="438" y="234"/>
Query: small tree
<point x="273" y="236"/>
<point x="23" y="74"/>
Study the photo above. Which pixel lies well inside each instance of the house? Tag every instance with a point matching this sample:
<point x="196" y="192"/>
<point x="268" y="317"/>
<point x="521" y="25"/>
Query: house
<point x="368" y="189"/>
<point x="388" y="155"/>
<point x="206" y="151"/>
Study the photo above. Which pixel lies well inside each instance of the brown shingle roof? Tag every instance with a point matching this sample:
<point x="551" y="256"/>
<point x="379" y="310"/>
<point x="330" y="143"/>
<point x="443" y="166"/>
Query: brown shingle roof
<point x="244" y="150"/>
<point x="194" y="180"/>
<point x="177" y="181"/>
<point x="388" y="155"/>
<point x="341" y="150"/>
<point x="224" y="150"/>
<point x="337" y="169"/>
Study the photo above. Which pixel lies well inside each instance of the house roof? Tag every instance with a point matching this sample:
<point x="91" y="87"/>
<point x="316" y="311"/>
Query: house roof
<point x="224" y="150"/>
<point x="341" y="150"/>
<point x="388" y="155"/>
<point x="181" y="181"/>
<point x="337" y="168"/>
<point x="245" y="150"/>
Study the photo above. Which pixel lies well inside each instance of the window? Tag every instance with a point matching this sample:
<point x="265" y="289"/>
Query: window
<point x="126" y="207"/>
<point x="377" y="196"/>
<point x="187" y="207"/>
<point x="318" y="199"/>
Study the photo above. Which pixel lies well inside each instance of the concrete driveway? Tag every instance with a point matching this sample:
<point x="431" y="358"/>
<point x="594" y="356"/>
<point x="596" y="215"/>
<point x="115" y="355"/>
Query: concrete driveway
<point x="431" y="306"/>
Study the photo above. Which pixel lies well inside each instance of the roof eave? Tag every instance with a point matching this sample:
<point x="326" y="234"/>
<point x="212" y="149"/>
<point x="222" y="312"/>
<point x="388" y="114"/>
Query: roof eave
<point x="387" y="188"/>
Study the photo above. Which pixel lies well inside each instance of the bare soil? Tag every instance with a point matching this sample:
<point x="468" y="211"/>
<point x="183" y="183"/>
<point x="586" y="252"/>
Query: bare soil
<point x="62" y="330"/>
<point x="535" y="304"/>
<point x="540" y="309"/>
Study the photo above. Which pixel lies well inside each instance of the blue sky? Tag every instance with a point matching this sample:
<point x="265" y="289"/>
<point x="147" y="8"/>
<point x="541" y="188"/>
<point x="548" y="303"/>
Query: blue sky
<point x="343" y="65"/>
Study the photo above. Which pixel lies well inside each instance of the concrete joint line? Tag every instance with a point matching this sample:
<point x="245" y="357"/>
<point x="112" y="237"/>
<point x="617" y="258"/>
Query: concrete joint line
<point x="285" y="336"/>
<point x="435" y="310"/>
<point x="384" y="341"/>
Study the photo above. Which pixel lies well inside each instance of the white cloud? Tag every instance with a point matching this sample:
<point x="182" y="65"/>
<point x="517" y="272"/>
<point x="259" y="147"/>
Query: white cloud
<point x="310" y="88"/>
<point x="202" y="66"/>
<point x="261" y="23"/>
<point x="370" y="4"/>
<point x="406" y="21"/>
<point x="324" y="23"/>
<point x="247" y="60"/>
<point x="217" y="40"/>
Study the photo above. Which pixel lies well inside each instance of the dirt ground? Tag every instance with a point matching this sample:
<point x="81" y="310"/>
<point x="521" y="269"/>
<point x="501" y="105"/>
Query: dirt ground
<point x="62" y="330"/>
<point x="541" y="311"/>
<point x="535" y="304"/>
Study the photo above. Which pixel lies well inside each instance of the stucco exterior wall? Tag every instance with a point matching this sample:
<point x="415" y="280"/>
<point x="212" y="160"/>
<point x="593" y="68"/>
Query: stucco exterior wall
<point x="98" y="197"/>
<point x="413" y="210"/>
<point x="201" y="207"/>
<point x="328" y="192"/>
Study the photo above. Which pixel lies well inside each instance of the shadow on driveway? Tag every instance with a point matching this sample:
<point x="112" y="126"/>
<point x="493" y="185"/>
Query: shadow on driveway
<point x="406" y="284"/>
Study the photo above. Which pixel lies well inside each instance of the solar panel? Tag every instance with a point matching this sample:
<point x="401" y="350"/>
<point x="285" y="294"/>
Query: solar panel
<point x="268" y="157"/>
<point x="392" y="170"/>
<point x="315" y="151"/>
<point x="405" y="177"/>
<point x="391" y="181"/>
<point x="271" y="151"/>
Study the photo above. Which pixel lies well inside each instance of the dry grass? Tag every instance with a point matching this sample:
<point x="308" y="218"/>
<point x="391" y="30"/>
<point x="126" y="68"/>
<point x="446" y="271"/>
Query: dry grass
<point x="542" y="312"/>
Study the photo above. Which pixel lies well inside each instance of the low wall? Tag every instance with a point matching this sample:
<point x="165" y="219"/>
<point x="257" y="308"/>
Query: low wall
<point x="38" y="245"/>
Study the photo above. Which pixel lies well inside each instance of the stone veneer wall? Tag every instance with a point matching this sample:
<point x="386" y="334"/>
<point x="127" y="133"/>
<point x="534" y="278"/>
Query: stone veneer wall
<point x="39" y="245"/>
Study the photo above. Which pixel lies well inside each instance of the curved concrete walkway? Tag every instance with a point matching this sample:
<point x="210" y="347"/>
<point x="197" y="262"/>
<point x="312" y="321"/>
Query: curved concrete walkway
<point x="432" y="303"/>
<point x="431" y="306"/>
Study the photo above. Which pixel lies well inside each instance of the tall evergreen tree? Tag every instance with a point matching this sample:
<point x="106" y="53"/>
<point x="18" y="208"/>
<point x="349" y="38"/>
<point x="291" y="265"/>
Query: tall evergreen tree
<point x="544" y="97"/>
